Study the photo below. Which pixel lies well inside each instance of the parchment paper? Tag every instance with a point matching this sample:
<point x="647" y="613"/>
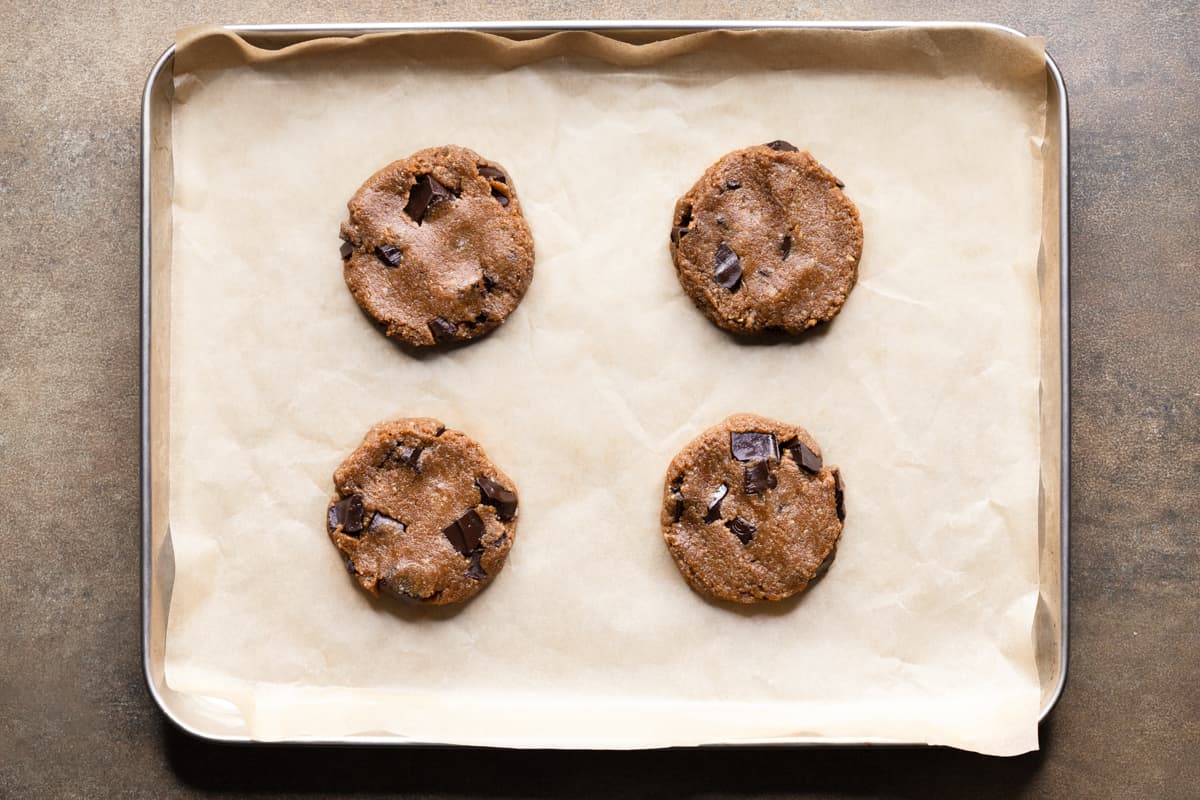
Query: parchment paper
<point x="924" y="390"/>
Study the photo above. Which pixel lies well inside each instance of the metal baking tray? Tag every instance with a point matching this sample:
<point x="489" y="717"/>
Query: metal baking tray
<point x="158" y="567"/>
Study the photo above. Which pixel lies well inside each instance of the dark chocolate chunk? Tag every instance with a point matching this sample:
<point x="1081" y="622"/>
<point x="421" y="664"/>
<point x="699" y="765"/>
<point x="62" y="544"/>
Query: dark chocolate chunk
<point x="750" y="446"/>
<point x="408" y="456"/>
<point x="465" y="532"/>
<point x="495" y="495"/>
<point x="443" y="330"/>
<point x="785" y="247"/>
<point x="441" y="429"/>
<point x="349" y="565"/>
<point x="823" y="567"/>
<point x="347" y="250"/>
<point x="492" y="173"/>
<point x="389" y="254"/>
<point x="382" y="524"/>
<point x="501" y="197"/>
<point x="681" y="230"/>
<point x="348" y="513"/>
<point x="727" y="268"/>
<point x="677" y="493"/>
<point x="424" y="195"/>
<point x="806" y="459"/>
<point x="489" y="283"/>
<point x="782" y="146"/>
<point x="714" y="503"/>
<point x="476" y="570"/>
<point x="839" y="494"/>
<point x="397" y="586"/>
<point x="732" y="184"/>
<point x="741" y="529"/>
<point x="757" y="478"/>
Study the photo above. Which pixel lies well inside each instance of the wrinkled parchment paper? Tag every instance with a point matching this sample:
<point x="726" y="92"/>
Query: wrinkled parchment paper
<point x="924" y="390"/>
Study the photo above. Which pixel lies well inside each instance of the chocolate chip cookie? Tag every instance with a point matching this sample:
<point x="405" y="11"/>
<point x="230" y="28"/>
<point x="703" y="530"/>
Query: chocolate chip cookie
<point x="436" y="248"/>
<point x="750" y="511"/>
<point x="421" y="513"/>
<point x="767" y="241"/>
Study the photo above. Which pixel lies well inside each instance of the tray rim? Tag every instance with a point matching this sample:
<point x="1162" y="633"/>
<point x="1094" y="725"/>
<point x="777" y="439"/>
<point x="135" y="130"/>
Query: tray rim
<point x="322" y="30"/>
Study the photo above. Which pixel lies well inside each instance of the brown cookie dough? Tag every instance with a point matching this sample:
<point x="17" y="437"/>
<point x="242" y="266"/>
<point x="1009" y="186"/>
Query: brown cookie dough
<point x="421" y="513"/>
<point x="750" y="512"/>
<point x="766" y="241"/>
<point x="436" y="249"/>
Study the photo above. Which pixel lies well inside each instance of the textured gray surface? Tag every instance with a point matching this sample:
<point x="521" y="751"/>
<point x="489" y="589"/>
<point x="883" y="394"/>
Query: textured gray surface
<point x="75" y="720"/>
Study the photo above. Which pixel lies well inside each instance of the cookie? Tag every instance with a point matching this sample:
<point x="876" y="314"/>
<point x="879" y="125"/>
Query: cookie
<point x="436" y="248"/>
<point x="766" y="241"/>
<point x="750" y="511"/>
<point x="421" y="513"/>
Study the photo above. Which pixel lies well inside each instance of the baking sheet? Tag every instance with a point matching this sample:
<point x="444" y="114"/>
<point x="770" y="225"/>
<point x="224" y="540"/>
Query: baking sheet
<point x="924" y="390"/>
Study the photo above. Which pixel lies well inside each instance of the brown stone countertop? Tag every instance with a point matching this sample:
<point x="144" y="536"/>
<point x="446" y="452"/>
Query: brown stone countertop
<point x="75" y="717"/>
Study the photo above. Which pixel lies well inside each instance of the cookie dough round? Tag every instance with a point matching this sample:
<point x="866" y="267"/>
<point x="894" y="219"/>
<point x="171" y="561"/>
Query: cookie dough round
<point x="750" y="512"/>
<point x="766" y="241"/>
<point x="436" y="249"/>
<point x="421" y="513"/>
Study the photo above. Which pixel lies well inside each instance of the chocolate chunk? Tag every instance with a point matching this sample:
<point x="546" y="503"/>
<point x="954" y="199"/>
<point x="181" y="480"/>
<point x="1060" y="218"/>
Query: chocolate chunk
<point x="382" y="524"/>
<point x="476" y="570"/>
<point x="492" y="173"/>
<point x="727" y="268"/>
<point x="823" y="567"/>
<point x="732" y="184"/>
<point x="441" y="429"/>
<point x="749" y="446"/>
<point x="465" y="532"/>
<point x="681" y="230"/>
<point x="501" y="197"/>
<point x="424" y="195"/>
<point x="443" y="330"/>
<point x="408" y="456"/>
<point x="389" y="254"/>
<point x="348" y="513"/>
<point x="489" y="283"/>
<point x="677" y="493"/>
<point x="349" y="565"/>
<point x="714" y="503"/>
<point x="347" y="250"/>
<point x="839" y="494"/>
<point x="757" y="478"/>
<point x="782" y="146"/>
<point x="495" y="495"/>
<point x="785" y="247"/>
<point x="741" y="529"/>
<point x="806" y="459"/>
